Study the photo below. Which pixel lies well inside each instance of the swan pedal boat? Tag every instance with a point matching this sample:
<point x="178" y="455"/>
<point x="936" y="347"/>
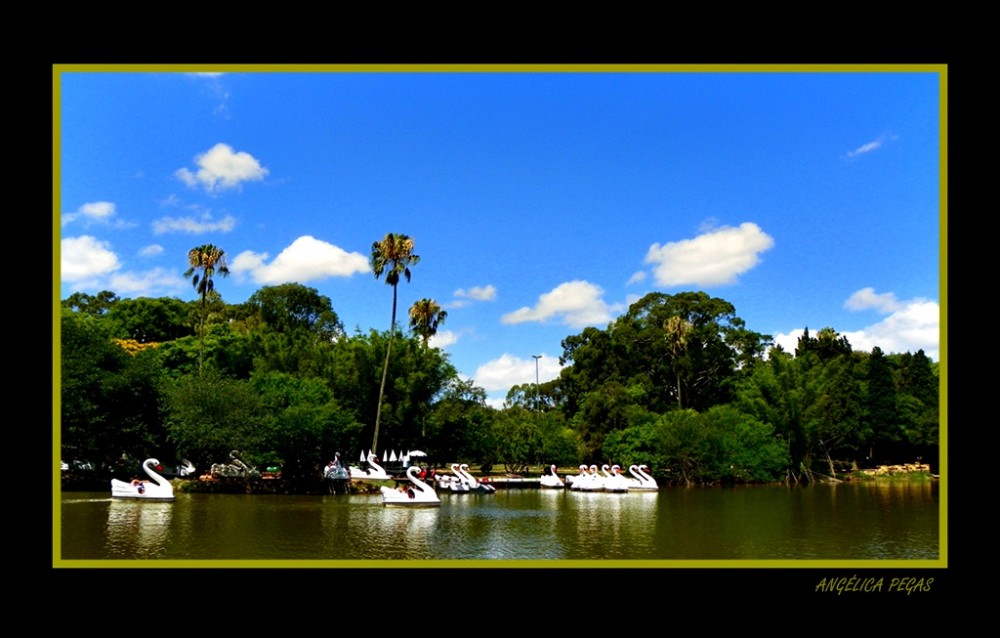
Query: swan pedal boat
<point x="376" y="473"/>
<point x="156" y="489"/>
<point x="419" y="494"/>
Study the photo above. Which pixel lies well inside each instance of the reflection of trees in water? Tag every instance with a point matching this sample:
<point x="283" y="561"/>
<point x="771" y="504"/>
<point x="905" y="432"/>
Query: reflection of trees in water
<point x="138" y="529"/>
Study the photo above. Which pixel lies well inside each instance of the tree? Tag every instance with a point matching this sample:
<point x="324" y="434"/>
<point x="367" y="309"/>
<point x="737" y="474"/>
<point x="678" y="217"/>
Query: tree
<point x="392" y="256"/>
<point x="426" y="316"/>
<point x="209" y="260"/>
<point x="677" y="330"/>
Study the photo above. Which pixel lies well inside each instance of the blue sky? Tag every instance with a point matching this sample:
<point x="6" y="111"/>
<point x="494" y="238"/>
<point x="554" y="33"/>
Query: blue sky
<point x="541" y="200"/>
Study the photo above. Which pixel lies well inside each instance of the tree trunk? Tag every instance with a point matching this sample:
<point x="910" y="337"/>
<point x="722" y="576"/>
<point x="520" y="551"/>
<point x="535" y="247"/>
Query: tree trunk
<point x="385" y="372"/>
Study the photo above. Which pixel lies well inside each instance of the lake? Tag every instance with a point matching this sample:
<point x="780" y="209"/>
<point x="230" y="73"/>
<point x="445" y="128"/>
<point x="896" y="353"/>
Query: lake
<point x="877" y="523"/>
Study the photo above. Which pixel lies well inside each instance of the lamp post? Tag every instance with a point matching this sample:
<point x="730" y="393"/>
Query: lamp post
<point x="536" y="357"/>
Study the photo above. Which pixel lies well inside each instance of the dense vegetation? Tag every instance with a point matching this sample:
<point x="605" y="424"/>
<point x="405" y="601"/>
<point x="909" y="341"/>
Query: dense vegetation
<point x="678" y="382"/>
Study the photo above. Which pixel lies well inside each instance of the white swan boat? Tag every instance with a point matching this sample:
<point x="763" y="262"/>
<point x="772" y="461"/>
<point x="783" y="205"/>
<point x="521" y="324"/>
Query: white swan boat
<point x="376" y="473"/>
<point x="417" y="494"/>
<point x="155" y="489"/>
<point x="551" y="479"/>
<point x="456" y="482"/>
<point x="642" y="482"/>
<point x="616" y="481"/>
<point x="475" y="485"/>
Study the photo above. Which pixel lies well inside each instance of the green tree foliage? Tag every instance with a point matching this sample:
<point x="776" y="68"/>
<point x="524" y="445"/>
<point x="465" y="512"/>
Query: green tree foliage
<point x="302" y="425"/>
<point x="93" y="305"/>
<point x="516" y="440"/>
<point x="392" y="255"/>
<point x="882" y="411"/>
<point x="460" y="421"/>
<point x="151" y="320"/>
<point x="745" y="450"/>
<point x="294" y="308"/>
<point x="109" y="399"/>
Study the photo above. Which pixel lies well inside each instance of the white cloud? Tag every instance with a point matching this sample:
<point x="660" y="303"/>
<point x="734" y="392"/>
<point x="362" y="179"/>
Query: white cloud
<point x="714" y="258"/>
<point x="151" y="251"/>
<point x="637" y="277"/>
<point x="220" y="168"/>
<point x="92" y="212"/>
<point x="576" y="303"/>
<point x="192" y="226"/>
<point x="443" y="339"/>
<point x="911" y="325"/>
<point x="500" y="375"/>
<point x="306" y="259"/>
<point x="868" y="147"/>
<point x="83" y="258"/>
<point x="866" y="298"/>
<point x="151" y="282"/>
<point x="478" y="293"/>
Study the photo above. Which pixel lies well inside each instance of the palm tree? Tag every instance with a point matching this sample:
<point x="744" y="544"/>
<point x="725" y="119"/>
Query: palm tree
<point x="393" y="255"/>
<point x="677" y="330"/>
<point x="205" y="262"/>
<point x="425" y="318"/>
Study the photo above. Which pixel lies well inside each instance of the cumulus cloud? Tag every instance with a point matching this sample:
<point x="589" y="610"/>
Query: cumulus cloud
<point x="909" y="326"/>
<point x="83" y="258"/>
<point x="478" y="293"/>
<point x="306" y="259"/>
<point x="576" y="304"/>
<point x="443" y="339"/>
<point x="157" y="281"/>
<point x="92" y="213"/>
<point x="637" y="277"/>
<point x="220" y="168"/>
<point x="151" y="251"/>
<point x="191" y="225"/>
<point x="714" y="258"/>
<point x="866" y="298"/>
<point x="500" y="375"/>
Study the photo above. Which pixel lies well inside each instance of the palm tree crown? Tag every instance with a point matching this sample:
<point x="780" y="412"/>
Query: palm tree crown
<point x="425" y="318"/>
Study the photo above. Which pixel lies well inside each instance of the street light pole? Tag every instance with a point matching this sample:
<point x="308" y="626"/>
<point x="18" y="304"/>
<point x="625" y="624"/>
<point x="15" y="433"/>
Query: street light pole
<point x="537" y="395"/>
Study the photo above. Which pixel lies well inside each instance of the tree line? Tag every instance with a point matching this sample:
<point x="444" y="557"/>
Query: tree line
<point x="678" y="382"/>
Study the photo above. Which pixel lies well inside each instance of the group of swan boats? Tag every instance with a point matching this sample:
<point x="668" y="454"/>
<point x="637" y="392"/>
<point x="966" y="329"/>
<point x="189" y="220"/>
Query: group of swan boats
<point x="415" y="490"/>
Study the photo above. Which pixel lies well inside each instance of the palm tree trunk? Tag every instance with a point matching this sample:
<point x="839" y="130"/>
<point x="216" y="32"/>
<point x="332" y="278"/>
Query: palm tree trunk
<point x="385" y="372"/>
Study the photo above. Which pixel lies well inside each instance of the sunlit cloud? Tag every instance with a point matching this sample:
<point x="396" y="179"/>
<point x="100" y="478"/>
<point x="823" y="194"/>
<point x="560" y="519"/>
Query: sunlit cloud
<point x="306" y="259"/>
<point x="478" y="293"/>
<point x="714" y="258"/>
<point x="157" y="281"/>
<point x="576" y="304"/>
<point x="507" y="371"/>
<point x="92" y="213"/>
<point x="443" y="339"/>
<point x="83" y="258"/>
<point x="204" y="223"/>
<point x="636" y="278"/>
<point x="220" y="168"/>
<point x="866" y="298"/>
<point x="151" y="251"/>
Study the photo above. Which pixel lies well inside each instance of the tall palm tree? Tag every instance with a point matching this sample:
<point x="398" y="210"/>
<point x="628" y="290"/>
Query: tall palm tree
<point x="393" y="256"/>
<point x="204" y="263"/>
<point x="425" y="318"/>
<point x="678" y="330"/>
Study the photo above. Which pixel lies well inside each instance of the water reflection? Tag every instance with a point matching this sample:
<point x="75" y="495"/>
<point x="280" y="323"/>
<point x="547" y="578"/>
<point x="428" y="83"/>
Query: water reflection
<point x="138" y="529"/>
<point x="885" y="521"/>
